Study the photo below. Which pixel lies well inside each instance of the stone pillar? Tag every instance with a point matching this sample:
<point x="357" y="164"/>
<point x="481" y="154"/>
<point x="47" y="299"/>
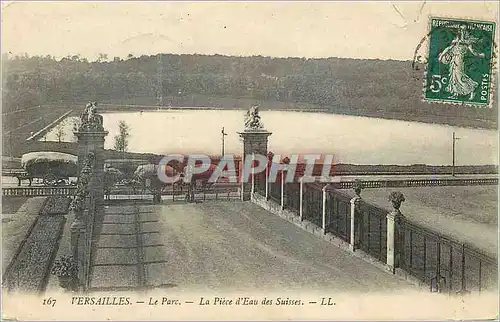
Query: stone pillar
<point x="354" y="233"/>
<point x="77" y="230"/>
<point x="267" y="183"/>
<point x="393" y="220"/>
<point x="254" y="141"/>
<point x="282" y="190"/>
<point x="93" y="141"/>
<point x="323" y="209"/>
<point x="253" y="181"/>
<point x="301" y="199"/>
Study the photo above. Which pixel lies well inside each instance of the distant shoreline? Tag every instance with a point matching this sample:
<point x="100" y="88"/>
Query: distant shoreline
<point x="110" y="108"/>
<point x="341" y="168"/>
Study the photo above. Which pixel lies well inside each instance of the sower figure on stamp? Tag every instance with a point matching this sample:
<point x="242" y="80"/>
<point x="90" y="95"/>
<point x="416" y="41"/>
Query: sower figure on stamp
<point x="454" y="55"/>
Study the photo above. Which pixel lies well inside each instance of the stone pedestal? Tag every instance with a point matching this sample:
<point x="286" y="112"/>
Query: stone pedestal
<point x="323" y="208"/>
<point x="78" y="249"/>
<point x="93" y="141"/>
<point x="283" y="195"/>
<point x="254" y="141"/>
<point x="393" y="230"/>
<point x="301" y="200"/>
<point x="354" y="229"/>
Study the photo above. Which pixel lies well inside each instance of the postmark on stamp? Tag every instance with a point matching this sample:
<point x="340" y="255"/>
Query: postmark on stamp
<point x="459" y="62"/>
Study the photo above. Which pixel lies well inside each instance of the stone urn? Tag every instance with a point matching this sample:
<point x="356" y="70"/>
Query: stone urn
<point x="396" y="198"/>
<point x="357" y="186"/>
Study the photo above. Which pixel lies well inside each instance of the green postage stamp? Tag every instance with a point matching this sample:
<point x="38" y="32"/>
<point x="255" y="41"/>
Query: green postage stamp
<point x="460" y="62"/>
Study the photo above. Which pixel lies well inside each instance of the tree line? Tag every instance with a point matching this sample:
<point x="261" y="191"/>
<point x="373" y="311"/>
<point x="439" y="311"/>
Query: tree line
<point x="337" y="84"/>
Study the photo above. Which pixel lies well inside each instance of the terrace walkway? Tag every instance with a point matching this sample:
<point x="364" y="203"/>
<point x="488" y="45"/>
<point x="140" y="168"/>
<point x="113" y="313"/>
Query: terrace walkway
<point x="229" y="245"/>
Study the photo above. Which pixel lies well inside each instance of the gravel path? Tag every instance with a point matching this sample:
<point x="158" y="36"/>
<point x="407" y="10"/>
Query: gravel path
<point x="223" y="246"/>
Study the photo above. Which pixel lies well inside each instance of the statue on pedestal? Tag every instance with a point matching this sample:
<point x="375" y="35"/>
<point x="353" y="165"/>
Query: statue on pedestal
<point x="90" y="120"/>
<point x="252" y="119"/>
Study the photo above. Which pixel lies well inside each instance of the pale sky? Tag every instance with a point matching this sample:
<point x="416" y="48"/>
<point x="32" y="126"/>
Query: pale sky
<point x="385" y="30"/>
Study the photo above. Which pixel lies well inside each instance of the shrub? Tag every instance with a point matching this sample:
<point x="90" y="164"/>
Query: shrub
<point x="64" y="266"/>
<point x="357" y="186"/>
<point x="56" y="205"/>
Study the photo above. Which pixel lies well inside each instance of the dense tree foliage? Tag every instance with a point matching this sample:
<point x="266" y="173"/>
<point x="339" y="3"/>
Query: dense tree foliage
<point x="366" y="87"/>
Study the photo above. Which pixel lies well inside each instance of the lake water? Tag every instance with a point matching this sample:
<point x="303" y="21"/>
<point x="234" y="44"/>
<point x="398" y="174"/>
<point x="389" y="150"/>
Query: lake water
<point x="351" y="139"/>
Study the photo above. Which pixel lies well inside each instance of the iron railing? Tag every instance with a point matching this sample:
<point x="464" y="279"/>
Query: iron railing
<point x="39" y="191"/>
<point x="176" y="192"/>
<point x="338" y="215"/>
<point x="405" y="183"/>
<point x="214" y="192"/>
<point x="292" y="197"/>
<point x="275" y="190"/>
<point x="313" y="203"/>
<point x="371" y="223"/>
<point x="438" y="261"/>
<point x="260" y="183"/>
<point x="443" y="263"/>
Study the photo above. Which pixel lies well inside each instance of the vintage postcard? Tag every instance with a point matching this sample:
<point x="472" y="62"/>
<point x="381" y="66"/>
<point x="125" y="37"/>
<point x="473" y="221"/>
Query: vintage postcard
<point x="249" y="160"/>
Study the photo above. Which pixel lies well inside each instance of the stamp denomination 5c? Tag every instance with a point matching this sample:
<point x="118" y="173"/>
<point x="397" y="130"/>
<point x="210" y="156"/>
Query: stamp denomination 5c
<point x="460" y="61"/>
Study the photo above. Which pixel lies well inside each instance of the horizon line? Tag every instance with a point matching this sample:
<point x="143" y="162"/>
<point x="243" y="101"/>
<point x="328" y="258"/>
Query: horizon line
<point x="125" y="58"/>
